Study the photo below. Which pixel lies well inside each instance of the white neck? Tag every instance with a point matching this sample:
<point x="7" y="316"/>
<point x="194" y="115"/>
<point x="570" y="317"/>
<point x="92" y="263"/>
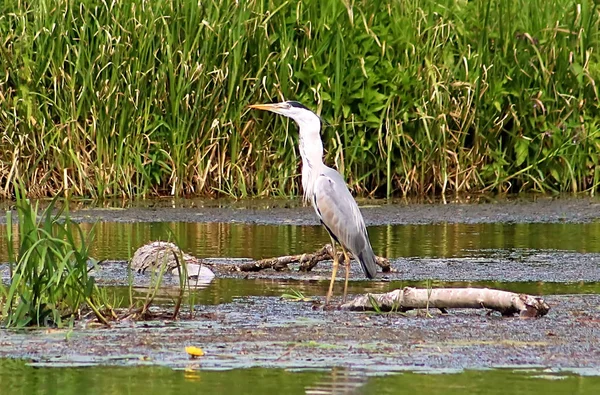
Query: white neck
<point x="311" y="149"/>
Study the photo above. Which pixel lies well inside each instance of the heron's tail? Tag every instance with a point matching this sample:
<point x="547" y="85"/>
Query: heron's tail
<point x="367" y="260"/>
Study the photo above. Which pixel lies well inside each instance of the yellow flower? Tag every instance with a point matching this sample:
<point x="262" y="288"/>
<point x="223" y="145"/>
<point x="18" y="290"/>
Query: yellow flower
<point x="194" y="352"/>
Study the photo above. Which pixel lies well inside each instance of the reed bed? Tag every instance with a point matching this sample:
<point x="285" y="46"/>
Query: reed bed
<point x="141" y="98"/>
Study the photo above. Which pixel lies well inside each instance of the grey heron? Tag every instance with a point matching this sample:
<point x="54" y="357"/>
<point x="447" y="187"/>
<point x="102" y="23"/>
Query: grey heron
<point x="328" y="193"/>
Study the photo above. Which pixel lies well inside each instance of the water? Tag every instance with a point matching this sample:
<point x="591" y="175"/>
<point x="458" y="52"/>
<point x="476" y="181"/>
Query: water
<point x="498" y="241"/>
<point x="225" y="290"/>
<point x="262" y="241"/>
<point x="18" y="378"/>
<point x="116" y="240"/>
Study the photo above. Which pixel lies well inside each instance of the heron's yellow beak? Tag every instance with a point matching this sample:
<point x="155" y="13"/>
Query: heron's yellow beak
<point x="274" y="107"/>
<point x="267" y="107"/>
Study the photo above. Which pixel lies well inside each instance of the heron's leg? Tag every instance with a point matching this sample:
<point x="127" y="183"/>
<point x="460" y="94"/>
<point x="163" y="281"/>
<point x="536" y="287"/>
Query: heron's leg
<point x="347" y="266"/>
<point x="333" y="272"/>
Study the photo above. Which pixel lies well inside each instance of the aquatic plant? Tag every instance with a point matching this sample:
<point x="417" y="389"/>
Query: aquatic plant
<point x="49" y="279"/>
<point x="141" y="98"/>
<point x="295" y="295"/>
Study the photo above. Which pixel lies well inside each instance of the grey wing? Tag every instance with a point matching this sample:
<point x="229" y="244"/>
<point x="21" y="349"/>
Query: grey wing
<point x="340" y="214"/>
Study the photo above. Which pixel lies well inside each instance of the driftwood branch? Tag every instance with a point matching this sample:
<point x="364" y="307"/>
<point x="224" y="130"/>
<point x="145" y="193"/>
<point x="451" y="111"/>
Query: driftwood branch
<point x="307" y="261"/>
<point x="409" y="298"/>
<point x="159" y="253"/>
<point x="278" y="263"/>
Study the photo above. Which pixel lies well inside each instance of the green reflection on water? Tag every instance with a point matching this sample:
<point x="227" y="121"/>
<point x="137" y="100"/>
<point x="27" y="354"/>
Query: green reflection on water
<point x="484" y="382"/>
<point x="224" y="290"/>
<point x="18" y="378"/>
<point x="113" y="240"/>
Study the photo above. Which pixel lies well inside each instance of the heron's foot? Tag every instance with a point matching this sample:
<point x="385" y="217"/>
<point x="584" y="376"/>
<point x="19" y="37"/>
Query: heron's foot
<point x="328" y="298"/>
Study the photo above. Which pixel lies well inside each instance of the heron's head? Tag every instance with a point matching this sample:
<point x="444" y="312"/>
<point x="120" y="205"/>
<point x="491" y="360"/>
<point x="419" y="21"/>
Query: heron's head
<point x="292" y="109"/>
<point x="311" y="147"/>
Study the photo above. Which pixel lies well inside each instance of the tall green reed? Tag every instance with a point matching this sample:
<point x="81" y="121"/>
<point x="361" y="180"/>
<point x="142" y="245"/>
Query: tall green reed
<point x="145" y="97"/>
<point x="49" y="276"/>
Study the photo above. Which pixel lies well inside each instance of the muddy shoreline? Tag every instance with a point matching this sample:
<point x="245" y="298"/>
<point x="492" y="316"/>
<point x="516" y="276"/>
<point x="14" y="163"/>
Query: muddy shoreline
<point x="268" y="332"/>
<point x="375" y="212"/>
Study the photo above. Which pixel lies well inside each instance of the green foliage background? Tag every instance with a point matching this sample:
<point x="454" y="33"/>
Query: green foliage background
<point x="138" y="98"/>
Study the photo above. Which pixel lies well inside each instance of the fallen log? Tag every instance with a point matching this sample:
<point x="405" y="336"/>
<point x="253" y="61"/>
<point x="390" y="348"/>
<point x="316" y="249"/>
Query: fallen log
<point x="409" y="298"/>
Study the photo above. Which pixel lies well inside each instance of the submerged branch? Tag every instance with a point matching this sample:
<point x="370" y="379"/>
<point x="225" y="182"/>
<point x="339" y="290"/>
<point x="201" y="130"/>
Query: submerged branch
<point x="307" y="261"/>
<point x="409" y="298"/>
<point x="162" y="254"/>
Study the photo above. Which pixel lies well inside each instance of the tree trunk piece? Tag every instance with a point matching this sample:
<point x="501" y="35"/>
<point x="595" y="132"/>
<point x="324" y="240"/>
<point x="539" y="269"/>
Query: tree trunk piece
<point x="409" y="298"/>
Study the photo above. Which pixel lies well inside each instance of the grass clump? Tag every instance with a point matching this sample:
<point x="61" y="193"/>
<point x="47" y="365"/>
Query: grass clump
<point x="295" y="295"/>
<point x="423" y="97"/>
<point x="50" y="284"/>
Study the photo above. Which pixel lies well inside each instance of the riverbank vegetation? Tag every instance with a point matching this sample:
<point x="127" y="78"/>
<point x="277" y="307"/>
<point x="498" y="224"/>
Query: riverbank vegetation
<point x="143" y="98"/>
<point x="49" y="275"/>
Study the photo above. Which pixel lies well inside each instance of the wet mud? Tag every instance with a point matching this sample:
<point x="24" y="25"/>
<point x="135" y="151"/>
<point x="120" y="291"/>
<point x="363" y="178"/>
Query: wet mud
<point x="264" y="330"/>
<point x="534" y="209"/>
<point x="269" y="332"/>
<point x="375" y="213"/>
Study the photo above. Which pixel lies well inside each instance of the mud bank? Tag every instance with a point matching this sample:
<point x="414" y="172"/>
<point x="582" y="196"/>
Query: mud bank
<point x="268" y="332"/>
<point x="290" y="212"/>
